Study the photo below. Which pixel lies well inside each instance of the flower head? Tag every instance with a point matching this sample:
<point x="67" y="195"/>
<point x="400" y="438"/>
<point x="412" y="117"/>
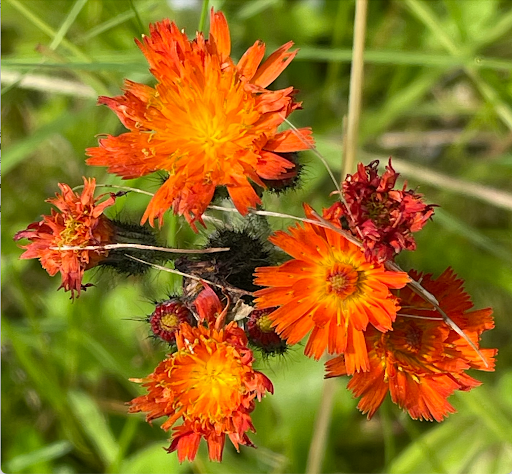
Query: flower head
<point x="167" y="318"/>
<point x="422" y="361"/>
<point x="208" y="122"/>
<point x="79" y="222"/>
<point x="262" y="335"/>
<point x="330" y="289"/>
<point x="210" y="384"/>
<point x="382" y="217"/>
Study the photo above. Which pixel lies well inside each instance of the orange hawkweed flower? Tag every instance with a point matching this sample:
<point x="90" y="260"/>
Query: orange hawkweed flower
<point x="208" y="122"/>
<point x="210" y="384"/>
<point x="80" y="222"/>
<point x="329" y="289"/>
<point x="422" y="361"/>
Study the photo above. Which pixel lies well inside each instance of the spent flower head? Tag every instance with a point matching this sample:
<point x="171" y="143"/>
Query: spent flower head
<point x="80" y="222"/>
<point x="383" y="217"/>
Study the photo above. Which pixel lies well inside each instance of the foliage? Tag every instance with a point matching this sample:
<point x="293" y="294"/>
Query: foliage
<point x="437" y="97"/>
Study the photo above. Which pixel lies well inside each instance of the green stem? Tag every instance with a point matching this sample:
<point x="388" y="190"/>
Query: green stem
<point x="137" y="16"/>
<point x="204" y="13"/>
<point x="356" y="89"/>
<point x="387" y="432"/>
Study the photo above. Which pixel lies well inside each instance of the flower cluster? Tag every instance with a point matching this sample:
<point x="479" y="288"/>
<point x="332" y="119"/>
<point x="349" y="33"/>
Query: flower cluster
<point x="209" y="383"/>
<point x="422" y="361"/>
<point x="211" y="127"/>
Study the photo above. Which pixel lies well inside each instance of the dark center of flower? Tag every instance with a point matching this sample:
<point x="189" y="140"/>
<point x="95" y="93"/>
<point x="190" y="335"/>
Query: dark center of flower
<point x="413" y="338"/>
<point x="341" y="280"/>
<point x="376" y="208"/>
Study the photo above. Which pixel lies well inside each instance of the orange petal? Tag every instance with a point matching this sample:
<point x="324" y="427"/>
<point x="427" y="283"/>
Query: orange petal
<point x="219" y="33"/>
<point x="244" y="197"/>
<point x="272" y="166"/>
<point x="249" y="62"/>
<point x="288" y="141"/>
<point x="274" y="65"/>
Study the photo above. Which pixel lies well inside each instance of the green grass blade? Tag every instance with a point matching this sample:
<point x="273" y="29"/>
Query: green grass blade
<point x="137" y="17"/>
<point x="426" y="16"/>
<point x="66" y="24"/>
<point x="113" y="22"/>
<point x="18" y="152"/>
<point x="48" y="453"/>
<point x="47" y="29"/>
<point x="409" y="58"/>
<point x="480" y="403"/>
<point x="94" y="425"/>
<point x="459" y="227"/>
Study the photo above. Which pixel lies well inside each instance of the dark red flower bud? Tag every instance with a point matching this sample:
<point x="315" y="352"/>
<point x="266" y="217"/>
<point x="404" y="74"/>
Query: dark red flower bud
<point x="167" y="317"/>
<point x="262" y="335"/>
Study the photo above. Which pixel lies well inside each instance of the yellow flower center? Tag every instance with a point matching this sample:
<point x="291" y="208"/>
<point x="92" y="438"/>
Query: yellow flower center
<point x="341" y="280"/>
<point x="209" y="380"/>
<point x="73" y="231"/>
<point x="264" y="324"/>
<point x="169" y="322"/>
<point x="210" y="121"/>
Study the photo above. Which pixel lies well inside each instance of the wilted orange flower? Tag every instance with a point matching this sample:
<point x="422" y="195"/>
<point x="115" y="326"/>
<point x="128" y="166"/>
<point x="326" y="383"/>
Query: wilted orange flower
<point x="80" y="222"/>
<point x="329" y="289"/>
<point x="208" y="122"/>
<point x="384" y="218"/>
<point x="421" y="362"/>
<point x="210" y="384"/>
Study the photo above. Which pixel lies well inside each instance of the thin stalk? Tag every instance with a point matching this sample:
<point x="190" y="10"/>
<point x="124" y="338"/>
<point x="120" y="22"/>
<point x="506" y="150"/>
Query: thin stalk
<point x="387" y="433"/>
<point x="188" y="275"/>
<point x="137" y="17"/>
<point x="204" y="14"/>
<point x="356" y="89"/>
<point x="322" y="423"/>
<point x="65" y="248"/>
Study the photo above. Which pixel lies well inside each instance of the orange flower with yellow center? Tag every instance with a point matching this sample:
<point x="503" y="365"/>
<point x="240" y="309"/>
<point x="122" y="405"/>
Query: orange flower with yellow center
<point x="329" y="289"/>
<point x="80" y="222"/>
<point x="209" y="383"/>
<point x="208" y="122"/>
<point x="422" y="361"/>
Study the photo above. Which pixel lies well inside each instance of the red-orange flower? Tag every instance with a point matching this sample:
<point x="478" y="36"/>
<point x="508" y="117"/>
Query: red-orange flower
<point x="329" y="289"/>
<point x="210" y="384"/>
<point x="208" y="122"/>
<point x="421" y="362"/>
<point x="80" y="222"/>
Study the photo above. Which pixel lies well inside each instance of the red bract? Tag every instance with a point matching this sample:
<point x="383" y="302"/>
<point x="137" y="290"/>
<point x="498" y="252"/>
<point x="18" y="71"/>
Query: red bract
<point x="384" y="218"/>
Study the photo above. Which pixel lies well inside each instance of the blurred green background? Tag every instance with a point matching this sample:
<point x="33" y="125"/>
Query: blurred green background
<point x="437" y="96"/>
